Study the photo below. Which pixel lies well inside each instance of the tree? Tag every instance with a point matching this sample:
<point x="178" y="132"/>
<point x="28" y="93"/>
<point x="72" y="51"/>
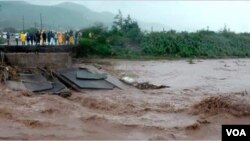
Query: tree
<point x="98" y="30"/>
<point x="118" y="22"/>
<point x="126" y="27"/>
<point x="127" y="21"/>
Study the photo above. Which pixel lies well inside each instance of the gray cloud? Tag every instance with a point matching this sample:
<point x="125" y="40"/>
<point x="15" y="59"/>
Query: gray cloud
<point x="179" y="15"/>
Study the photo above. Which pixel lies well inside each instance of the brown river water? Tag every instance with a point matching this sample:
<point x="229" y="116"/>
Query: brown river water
<point x="202" y="96"/>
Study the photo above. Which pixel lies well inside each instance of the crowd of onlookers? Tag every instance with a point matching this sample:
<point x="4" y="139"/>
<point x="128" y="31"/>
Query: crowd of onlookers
<point x="46" y="38"/>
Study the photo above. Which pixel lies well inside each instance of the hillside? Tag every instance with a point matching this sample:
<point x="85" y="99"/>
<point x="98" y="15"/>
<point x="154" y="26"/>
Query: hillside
<point x="62" y="16"/>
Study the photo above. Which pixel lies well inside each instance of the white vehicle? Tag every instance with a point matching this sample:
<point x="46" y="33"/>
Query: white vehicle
<point x="4" y="34"/>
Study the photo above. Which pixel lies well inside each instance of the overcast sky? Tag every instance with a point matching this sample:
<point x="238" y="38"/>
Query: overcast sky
<point x="178" y="15"/>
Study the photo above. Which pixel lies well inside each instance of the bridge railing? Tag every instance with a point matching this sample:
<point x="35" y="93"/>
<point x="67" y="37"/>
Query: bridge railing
<point x="39" y="48"/>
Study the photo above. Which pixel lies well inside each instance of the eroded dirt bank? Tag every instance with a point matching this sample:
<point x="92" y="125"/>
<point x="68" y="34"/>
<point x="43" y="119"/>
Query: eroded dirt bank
<point x="202" y="96"/>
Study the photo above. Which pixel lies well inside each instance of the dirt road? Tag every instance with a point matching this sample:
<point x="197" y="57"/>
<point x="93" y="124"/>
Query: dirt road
<point x="201" y="97"/>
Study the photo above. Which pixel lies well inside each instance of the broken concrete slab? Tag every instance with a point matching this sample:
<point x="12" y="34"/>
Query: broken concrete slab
<point x="87" y="75"/>
<point x="70" y="74"/>
<point x="30" y="77"/>
<point x="35" y="82"/>
<point x="15" y="85"/>
<point x="58" y="89"/>
<point x="110" y="78"/>
<point x="37" y="87"/>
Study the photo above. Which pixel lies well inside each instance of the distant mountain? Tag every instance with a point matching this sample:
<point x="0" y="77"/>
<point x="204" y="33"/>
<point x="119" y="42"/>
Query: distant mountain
<point x="87" y="14"/>
<point x="63" y="16"/>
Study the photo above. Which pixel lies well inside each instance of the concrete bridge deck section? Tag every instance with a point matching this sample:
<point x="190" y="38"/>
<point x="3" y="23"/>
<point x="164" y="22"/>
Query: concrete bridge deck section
<point x="33" y="60"/>
<point x="39" y="56"/>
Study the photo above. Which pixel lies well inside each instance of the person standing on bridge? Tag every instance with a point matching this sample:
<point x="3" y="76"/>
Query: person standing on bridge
<point x="55" y="33"/>
<point x="41" y="37"/>
<point x="17" y="38"/>
<point x="37" y="37"/>
<point x="52" y="38"/>
<point x="49" y="37"/>
<point x="75" y="38"/>
<point x="60" y="38"/>
<point x="71" y="37"/>
<point x="28" y="38"/>
<point x="8" y="38"/>
<point x="79" y="37"/>
<point x="22" y="38"/>
<point x="65" y="38"/>
<point x="32" y="38"/>
<point x="44" y="38"/>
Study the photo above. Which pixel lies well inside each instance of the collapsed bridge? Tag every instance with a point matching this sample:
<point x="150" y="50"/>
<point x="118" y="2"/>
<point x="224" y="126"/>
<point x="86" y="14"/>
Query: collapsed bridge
<point x="49" y="69"/>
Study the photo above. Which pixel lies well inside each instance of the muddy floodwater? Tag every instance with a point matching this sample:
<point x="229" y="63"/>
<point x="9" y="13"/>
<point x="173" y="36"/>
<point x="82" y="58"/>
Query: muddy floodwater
<point x="203" y="95"/>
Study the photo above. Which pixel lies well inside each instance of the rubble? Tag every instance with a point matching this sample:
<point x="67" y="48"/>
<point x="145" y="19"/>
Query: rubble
<point x="146" y="85"/>
<point x="143" y="85"/>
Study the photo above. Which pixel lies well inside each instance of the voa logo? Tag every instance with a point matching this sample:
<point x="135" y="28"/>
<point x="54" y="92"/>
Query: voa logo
<point x="236" y="132"/>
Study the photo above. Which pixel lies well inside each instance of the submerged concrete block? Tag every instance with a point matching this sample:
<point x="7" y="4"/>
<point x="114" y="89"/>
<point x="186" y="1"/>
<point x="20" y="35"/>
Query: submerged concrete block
<point x="53" y="60"/>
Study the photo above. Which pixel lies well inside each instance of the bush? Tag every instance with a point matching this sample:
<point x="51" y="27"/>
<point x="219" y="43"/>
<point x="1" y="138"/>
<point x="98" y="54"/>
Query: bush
<point x="86" y="47"/>
<point x="126" y="39"/>
<point x="197" y="44"/>
<point x="116" y="40"/>
<point x="98" y="30"/>
<point x="1" y="40"/>
<point x="102" y="50"/>
<point x="93" y="47"/>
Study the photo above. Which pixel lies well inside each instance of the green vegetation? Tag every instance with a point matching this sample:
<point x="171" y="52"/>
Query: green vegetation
<point x="94" y="41"/>
<point x="126" y="40"/>
<point x="1" y="40"/>
<point x="122" y="40"/>
<point x="198" y="44"/>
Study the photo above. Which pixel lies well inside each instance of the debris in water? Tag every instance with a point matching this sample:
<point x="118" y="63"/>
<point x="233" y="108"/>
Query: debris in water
<point x="144" y="85"/>
<point x="128" y="80"/>
<point x="193" y="126"/>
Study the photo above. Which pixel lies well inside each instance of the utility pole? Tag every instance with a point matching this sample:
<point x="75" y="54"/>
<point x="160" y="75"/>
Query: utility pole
<point x="41" y="21"/>
<point x="23" y="23"/>
<point x="35" y="25"/>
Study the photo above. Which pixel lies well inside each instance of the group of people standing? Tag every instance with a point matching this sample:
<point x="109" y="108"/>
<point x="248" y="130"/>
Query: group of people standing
<point x="48" y="38"/>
